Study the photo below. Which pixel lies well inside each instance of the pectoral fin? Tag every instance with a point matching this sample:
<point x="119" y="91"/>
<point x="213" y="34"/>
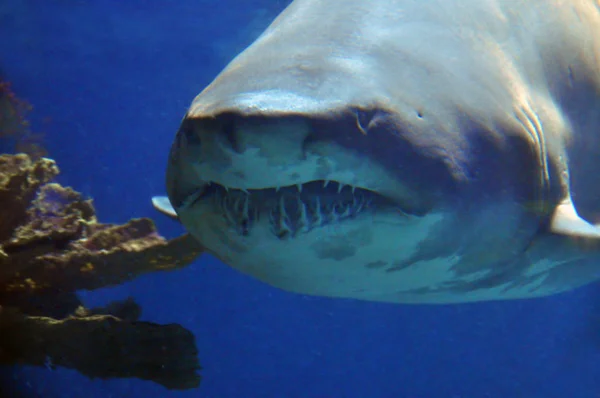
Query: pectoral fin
<point x="566" y="221"/>
<point x="163" y="205"/>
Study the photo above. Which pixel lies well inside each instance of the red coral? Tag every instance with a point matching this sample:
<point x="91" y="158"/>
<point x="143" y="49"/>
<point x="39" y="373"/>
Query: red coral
<point x="14" y="123"/>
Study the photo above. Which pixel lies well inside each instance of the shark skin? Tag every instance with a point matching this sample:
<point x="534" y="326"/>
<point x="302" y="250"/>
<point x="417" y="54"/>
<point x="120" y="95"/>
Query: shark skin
<point x="402" y="151"/>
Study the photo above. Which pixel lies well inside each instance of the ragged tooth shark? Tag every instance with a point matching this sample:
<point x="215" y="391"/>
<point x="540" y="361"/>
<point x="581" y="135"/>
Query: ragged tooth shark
<point x="402" y="151"/>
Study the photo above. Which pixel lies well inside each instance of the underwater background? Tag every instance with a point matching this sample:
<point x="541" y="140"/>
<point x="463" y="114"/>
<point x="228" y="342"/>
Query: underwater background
<point x="110" y="82"/>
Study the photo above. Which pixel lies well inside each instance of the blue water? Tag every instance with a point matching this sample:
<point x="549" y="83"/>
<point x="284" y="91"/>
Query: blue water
<point x="110" y="81"/>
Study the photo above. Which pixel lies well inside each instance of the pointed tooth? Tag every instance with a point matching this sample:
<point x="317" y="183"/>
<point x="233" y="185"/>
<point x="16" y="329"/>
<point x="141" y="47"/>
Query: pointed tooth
<point x="325" y="183"/>
<point x="246" y="214"/>
<point x="245" y="190"/>
<point x="192" y="198"/>
<point x="353" y="189"/>
<point x="299" y="186"/>
<point x="229" y="216"/>
<point x="340" y="187"/>
<point x="303" y="214"/>
<point x="318" y="216"/>
<point x="334" y="215"/>
<point x="283" y="218"/>
<point x="236" y="205"/>
<point x="348" y="211"/>
<point x="358" y="206"/>
<point x="277" y="188"/>
<point x="226" y="189"/>
<point x="282" y="207"/>
<point x="284" y="226"/>
<point x="273" y="221"/>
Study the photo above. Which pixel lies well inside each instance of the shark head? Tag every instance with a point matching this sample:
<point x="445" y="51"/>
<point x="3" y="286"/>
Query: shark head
<point x="337" y="156"/>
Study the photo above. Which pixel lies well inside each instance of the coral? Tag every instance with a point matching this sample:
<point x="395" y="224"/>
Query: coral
<point x="51" y="246"/>
<point x="15" y="126"/>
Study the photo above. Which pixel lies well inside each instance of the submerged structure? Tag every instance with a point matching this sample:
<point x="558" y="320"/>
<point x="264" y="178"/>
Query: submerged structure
<point x="51" y="247"/>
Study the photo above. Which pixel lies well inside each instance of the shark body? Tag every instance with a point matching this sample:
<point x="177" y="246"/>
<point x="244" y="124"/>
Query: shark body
<point x="402" y="151"/>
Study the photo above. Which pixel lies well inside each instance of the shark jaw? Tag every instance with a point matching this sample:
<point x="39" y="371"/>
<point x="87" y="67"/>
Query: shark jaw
<point x="317" y="242"/>
<point x="289" y="210"/>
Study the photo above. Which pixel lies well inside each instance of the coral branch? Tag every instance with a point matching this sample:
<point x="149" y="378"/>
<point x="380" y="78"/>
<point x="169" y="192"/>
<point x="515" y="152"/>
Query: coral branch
<point x="51" y="246"/>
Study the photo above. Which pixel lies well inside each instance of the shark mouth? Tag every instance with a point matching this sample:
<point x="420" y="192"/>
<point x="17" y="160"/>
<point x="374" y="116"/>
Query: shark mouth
<point x="290" y="210"/>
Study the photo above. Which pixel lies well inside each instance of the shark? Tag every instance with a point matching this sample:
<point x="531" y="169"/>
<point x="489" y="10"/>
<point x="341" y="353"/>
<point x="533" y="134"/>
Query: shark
<point x="402" y="151"/>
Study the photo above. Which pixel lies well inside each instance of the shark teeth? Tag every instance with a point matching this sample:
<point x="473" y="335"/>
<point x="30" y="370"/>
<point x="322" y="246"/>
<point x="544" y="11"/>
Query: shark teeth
<point x="298" y="187"/>
<point x="290" y="210"/>
<point x="191" y="199"/>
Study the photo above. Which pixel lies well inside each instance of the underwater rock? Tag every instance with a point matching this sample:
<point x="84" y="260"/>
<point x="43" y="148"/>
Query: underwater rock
<point x="20" y="179"/>
<point x="101" y="346"/>
<point x="51" y="246"/>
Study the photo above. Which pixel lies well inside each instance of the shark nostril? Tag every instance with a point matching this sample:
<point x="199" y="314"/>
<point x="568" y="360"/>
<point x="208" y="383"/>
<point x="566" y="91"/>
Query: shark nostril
<point x="363" y="119"/>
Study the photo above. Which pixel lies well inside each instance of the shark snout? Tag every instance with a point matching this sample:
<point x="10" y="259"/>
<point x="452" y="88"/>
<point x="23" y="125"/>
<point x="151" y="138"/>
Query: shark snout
<point x="244" y="152"/>
<point x="281" y="141"/>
